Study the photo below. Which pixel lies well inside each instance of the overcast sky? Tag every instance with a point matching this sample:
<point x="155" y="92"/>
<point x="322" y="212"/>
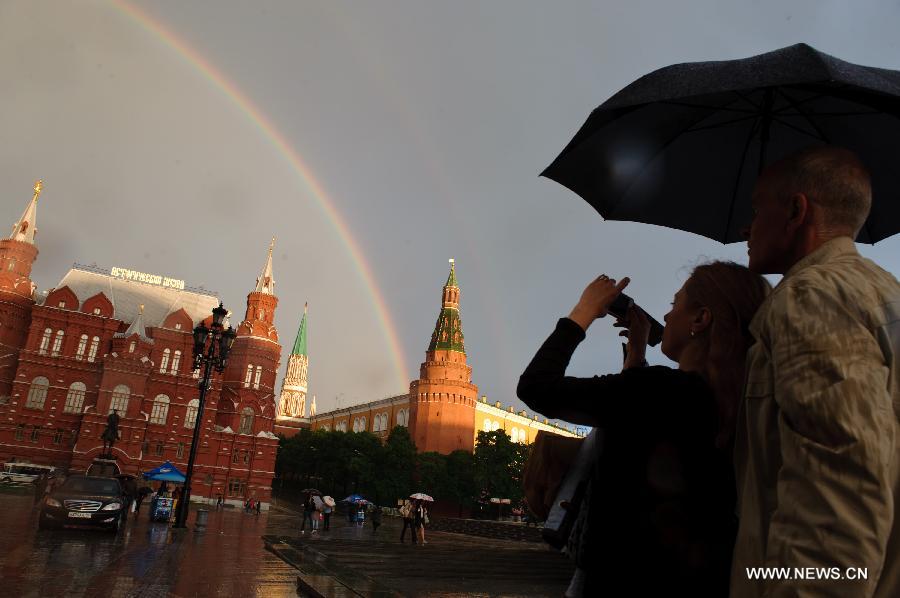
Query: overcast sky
<point x="426" y="123"/>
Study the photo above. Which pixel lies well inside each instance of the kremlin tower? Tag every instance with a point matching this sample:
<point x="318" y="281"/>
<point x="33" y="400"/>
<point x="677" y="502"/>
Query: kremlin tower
<point x="443" y="399"/>
<point x="292" y="403"/>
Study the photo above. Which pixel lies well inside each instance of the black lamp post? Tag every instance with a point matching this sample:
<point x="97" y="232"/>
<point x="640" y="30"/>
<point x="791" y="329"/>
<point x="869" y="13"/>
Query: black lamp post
<point x="211" y="347"/>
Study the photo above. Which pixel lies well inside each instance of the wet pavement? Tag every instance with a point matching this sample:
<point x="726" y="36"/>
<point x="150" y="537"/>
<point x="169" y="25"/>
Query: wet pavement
<point x="352" y="561"/>
<point x="230" y="559"/>
<point x="144" y="559"/>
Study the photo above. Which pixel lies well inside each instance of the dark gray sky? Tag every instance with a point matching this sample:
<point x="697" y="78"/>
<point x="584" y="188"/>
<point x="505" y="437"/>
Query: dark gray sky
<point x="426" y="123"/>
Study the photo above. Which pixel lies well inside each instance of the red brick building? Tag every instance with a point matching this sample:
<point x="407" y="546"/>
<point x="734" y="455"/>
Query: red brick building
<point x="120" y="339"/>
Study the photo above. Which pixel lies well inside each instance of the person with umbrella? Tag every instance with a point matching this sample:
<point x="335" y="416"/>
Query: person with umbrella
<point x="406" y="512"/>
<point x="327" y="509"/>
<point x="309" y="508"/>
<point x="819" y="435"/>
<point x="661" y="497"/>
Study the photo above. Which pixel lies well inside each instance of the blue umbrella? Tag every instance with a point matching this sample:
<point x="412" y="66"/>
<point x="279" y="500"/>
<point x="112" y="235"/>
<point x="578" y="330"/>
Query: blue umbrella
<point x="165" y="473"/>
<point x="355" y="498"/>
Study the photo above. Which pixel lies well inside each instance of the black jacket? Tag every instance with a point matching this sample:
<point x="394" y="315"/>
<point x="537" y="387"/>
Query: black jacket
<point x="662" y="495"/>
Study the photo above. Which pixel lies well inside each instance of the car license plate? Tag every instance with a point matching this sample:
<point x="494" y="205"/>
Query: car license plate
<point x="80" y="515"/>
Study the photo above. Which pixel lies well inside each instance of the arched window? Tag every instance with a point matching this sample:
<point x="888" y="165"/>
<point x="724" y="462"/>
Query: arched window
<point x="515" y="435"/>
<point x="487" y="425"/>
<point x="160" y="410"/>
<point x="165" y="361"/>
<point x="375" y="423"/>
<point x="132" y="346"/>
<point x="95" y="344"/>
<point x="256" y="378"/>
<point x="249" y="375"/>
<point x="119" y="400"/>
<point x="75" y="398"/>
<point x="190" y="417"/>
<point x="495" y="426"/>
<point x="326" y="427"/>
<point x="37" y="393"/>
<point x="176" y="361"/>
<point x="82" y="347"/>
<point x="57" y="343"/>
<point x="12" y="264"/>
<point x="342" y="427"/>
<point x="246" y="425"/>
<point x="45" y="341"/>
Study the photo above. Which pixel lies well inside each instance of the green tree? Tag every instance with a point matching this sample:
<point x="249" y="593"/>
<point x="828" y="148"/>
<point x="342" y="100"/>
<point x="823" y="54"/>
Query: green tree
<point x="499" y="465"/>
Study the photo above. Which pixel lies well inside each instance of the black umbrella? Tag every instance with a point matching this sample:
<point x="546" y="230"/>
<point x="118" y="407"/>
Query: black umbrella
<point x="682" y="146"/>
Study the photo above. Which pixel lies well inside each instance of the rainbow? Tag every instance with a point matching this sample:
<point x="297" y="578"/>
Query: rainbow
<point x="218" y="80"/>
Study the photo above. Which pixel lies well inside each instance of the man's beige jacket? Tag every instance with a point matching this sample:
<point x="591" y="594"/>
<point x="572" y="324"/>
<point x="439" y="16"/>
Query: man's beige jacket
<point x="817" y="446"/>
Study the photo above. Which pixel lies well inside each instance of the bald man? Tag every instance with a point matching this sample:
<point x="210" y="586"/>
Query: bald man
<point x="816" y="450"/>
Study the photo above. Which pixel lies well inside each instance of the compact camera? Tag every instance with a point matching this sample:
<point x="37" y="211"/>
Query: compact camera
<point x="619" y="309"/>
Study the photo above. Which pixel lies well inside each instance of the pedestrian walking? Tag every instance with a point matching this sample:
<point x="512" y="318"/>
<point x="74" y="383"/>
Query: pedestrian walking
<point x="406" y="512"/>
<point x="258" y="507"/>
<point x="141" y="495"/>
<point x="326" y="517"/>
<point x="309" y="507"/>
<point x="376" y="518"/>
<point x="420" y="517"/>
<point x="220" y="502"/>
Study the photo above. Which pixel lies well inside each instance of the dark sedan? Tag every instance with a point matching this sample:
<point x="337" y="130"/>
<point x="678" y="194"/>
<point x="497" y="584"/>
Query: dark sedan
<point x="84" y="501"/>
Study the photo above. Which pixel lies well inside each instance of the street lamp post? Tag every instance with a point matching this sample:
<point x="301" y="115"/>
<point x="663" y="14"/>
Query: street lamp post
<point x="211" y="347"/>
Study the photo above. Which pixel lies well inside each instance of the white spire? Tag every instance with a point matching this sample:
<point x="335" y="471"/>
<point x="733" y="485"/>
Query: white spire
<point x="266" y="283"/>
<point x="25" y="228"/>
<point x="312" y="407"/>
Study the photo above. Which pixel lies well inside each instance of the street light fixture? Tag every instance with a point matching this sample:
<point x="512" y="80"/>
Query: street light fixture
<point x="211" y="348"/>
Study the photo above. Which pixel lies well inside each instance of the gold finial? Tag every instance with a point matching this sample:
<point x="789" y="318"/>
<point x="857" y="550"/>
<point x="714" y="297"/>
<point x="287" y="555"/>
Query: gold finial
<point x="272" y="244"/>
<point x="142" y="309"/>
<point x="38" y="186"/>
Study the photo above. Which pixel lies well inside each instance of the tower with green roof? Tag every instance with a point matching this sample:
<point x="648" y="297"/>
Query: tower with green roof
<point x="443" y="399"/>
<point x="292" y="403"/>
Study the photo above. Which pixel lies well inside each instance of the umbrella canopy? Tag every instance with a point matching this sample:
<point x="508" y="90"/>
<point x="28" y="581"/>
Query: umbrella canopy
<point x="312" y="491"/>
<point x="357" y="498"/>
<point x="328" y="501"/>
<point x="682" y="146"/>
<point x="318" y="502"/>
<point x="421" y="496"/>
<point x="165" y="473"/>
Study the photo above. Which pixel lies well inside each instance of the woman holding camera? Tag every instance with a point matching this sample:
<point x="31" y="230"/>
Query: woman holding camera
<point x="659" y="509"/>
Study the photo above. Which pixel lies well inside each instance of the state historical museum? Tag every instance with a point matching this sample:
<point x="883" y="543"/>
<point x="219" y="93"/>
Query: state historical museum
<point x="119" y="339"/>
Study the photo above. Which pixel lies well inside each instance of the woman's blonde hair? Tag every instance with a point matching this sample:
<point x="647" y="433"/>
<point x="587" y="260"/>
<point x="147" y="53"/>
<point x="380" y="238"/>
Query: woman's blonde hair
<point x="732" y="294"/>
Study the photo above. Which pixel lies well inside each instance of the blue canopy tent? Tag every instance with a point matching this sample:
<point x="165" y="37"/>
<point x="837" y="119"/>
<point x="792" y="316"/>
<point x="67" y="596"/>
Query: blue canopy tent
<point x="165" y="473"/>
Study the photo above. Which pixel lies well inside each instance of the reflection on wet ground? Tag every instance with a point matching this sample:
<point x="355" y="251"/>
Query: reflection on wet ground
<point x="144" y="559"/>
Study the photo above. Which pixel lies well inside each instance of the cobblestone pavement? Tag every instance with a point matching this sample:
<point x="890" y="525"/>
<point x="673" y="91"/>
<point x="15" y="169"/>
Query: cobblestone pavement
<point x="144" y="560"/>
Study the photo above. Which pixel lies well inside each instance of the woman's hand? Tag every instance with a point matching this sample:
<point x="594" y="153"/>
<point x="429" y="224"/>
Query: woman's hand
<point x="637" y="332"/>
<point x="596" y="299"/>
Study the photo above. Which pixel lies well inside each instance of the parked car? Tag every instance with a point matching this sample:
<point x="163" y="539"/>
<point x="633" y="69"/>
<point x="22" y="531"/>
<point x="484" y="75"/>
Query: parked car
<point x="84" y="501"/>
<point x="21" y="474"/>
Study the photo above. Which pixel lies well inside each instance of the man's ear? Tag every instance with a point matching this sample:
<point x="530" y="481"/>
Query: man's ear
<point x="798" y="210"/>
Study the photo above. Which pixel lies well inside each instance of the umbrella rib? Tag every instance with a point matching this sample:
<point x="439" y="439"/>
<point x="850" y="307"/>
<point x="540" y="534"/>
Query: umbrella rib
<point x="737" y="179"/>
<point x="723" y="123"/>
<point x="820" y="135"/>
<point x="804" y="114"/>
